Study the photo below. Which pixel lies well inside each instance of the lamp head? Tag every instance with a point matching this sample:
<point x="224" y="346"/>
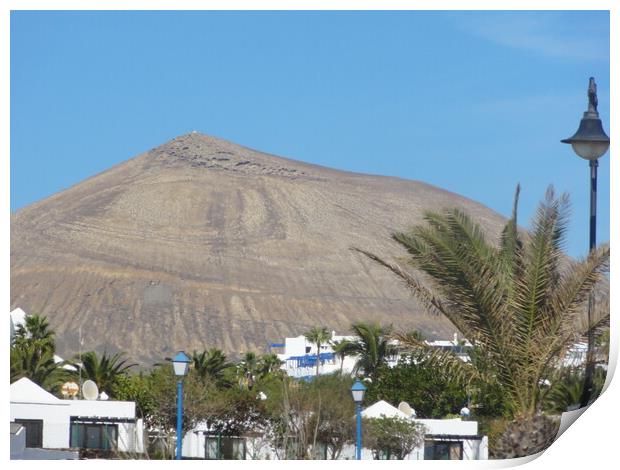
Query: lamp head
<point x="590" y="141"/>
<point x="180" y="362"/>
<point x="357" y="390"/>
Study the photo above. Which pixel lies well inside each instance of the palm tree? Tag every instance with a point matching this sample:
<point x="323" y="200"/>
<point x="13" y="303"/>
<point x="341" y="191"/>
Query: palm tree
<point x="247" y="370"/>
<point x="269" y="364"/>
<point x="104" y="370"/>
<point x="35" y="332"/>
<point x="519" y="302"/>
<point x="565" y="392"/>
<point x="211" y="364"/>
<point x="29" y="362"/>
<point x="32" y="354"/>
<point x="319" y="336"/>
<point x="340" y="350"/>
<point x="372" y="347"/>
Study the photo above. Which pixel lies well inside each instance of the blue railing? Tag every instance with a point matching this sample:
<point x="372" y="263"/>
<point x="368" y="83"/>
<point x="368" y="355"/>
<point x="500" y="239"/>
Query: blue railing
<point x="310" y="360"/>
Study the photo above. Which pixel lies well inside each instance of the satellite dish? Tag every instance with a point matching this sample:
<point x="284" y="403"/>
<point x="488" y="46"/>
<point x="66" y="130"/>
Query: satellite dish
<point x="405" y="408"/>
<point x="90" y="390"/>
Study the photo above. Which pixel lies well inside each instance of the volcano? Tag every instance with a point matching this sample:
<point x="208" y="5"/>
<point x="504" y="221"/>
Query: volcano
<point x="203" y="243"/>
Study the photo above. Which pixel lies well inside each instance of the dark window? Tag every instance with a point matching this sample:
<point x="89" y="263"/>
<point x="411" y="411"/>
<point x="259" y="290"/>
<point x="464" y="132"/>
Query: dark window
<point x="94" y="436"/>
<point x="34" y="431"/>
<point x="224" y="448"/>
<point x="438" y="450"/>
<point x="308" y="348"/>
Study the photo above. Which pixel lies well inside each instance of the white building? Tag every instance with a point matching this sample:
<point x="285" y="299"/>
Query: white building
<point x="449" y="439"/>
<point x="299" y="355"/>
<point x="52" y="423"/>
<point x="444" y="439"/>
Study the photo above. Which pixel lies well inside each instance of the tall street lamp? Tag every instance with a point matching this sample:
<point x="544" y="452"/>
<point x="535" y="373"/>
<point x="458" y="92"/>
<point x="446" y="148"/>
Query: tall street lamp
<point x="181" y="366"/>
<point x="590" y="142"/>
<point x="357" y="390"/>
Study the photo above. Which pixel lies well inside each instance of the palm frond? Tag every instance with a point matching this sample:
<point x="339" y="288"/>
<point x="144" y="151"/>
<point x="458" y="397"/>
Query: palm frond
<point x="445" y="362"/>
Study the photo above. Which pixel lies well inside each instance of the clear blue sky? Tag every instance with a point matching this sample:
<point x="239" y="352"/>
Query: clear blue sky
<point x="473" y="102"/>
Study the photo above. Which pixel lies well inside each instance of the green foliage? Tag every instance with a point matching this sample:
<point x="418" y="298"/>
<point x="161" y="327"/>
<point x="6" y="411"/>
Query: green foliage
<point x="39" y="366"/>
<point x="248" y="370"/>
<point x="319" y="336"/>
<point x="35" y="334"/>
<point x="430" y="394"/>
<point x="161" y="384"/>
<point x="392" y="437"/>
<point x="519" y="302"/>
<point x="565" y="392"/>
<point x="251" y="370"/>
<point x="335" y="423"/>
<point x="212" y="365"/>
<point x="372" y="346"/>
<point x="234" y="411"/>
<point x="136" y="388"/>
<point x="268" y="365"/>
<point x="303" y="414"/>
<point x="103" y="369"/>
<point x="32" y="355"/>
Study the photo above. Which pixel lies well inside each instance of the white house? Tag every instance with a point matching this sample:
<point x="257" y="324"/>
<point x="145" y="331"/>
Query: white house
<point x="446" y="439"/>
<point x="299" y="355"/>
<point x="52" y="423"/>
<point x="19" y="451"/>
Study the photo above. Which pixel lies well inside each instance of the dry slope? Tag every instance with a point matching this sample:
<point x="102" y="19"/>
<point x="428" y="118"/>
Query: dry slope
<point x="201" y="242"/>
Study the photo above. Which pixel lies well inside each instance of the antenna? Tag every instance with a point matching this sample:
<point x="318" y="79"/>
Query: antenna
<point x="80" y="342"/>
<point x="90" y="390"/>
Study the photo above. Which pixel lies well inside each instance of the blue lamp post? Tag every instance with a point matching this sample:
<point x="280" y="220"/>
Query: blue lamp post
<point x="357" y="390"/>
<point x="181" y="365"/>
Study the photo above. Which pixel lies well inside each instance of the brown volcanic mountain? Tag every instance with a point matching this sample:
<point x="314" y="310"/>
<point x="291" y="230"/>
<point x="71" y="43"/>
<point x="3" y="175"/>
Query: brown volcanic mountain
<point x="201" y="243"/>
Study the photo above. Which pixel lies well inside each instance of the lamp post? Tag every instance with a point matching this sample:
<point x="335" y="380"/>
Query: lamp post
<point x="590" y="142"/>
<point x="357" y="390"/>
<point x="181" y="366"/>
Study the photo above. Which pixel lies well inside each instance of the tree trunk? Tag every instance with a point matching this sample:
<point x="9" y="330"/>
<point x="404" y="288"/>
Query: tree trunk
<point x="318" y="351"/>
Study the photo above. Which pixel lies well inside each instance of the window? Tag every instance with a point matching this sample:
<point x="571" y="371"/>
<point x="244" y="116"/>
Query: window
<point x="94" y="436"/>
<point x="225" y="448"/>
<point x="34" y="431"/>
<point x="443" y="450"/>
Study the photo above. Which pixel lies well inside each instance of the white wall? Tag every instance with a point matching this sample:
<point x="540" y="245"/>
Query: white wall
<point x="57" y="423"/>
<point x="450" y="426"/>
<point x="476" y="449"/>
<point x="193" y="445"/>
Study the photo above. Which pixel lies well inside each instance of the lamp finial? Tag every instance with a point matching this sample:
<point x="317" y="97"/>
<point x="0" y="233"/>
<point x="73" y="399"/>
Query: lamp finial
<point x="592" y="98"/>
